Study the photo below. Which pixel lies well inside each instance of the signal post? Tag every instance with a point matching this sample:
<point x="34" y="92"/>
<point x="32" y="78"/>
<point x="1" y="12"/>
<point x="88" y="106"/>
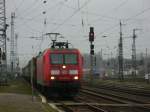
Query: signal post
<point x="91" y="40"/>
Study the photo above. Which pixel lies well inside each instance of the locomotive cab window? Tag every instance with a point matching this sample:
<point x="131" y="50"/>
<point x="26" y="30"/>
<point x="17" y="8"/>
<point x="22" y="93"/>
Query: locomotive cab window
<point x="70" y="58"/>
<point x="56" y="58"/>
<point x="63" y="58"/>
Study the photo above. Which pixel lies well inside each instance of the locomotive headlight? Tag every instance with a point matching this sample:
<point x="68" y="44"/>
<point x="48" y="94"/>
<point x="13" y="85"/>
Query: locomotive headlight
<point x="52" y="77"/>
<point x="63" y="66"/>
<point x="55" y="72"/>
<point x="73" y="72"/>
<point x="76" y="78"/>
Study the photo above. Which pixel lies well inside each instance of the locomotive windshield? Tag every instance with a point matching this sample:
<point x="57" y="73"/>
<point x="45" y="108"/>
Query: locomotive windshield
<point x="56" y="58"/>
<point x="70" y="58"/>
<point x="63" y="58"/>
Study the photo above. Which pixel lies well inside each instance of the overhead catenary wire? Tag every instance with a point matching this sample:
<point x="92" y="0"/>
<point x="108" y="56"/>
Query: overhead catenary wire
<point x="102" y="16"/>
<point x="56" y="15"/>
<point x="26" y="29"/>
<point x="120" y="5"/>
<point x="60" y="24"/>
<point x="108" y="17"/>
<point x="36" y="30"/>
<point x="48" y="23"/>
<point x="82" y="19"/>
<point x="30" y="27"/>
<point x="91" y="13"/>
<point x="28" y="9"/>
<point x="138" y="14"/>
<point x="49" y="9"/>
<point x="14" y="5"/>
<point x="127" y="20"/>
<point x="20" y="4"/>
<point x="74" y="13"/>
<point x="109" y="29"/>
<point x="44" y="29"/>
<point x="36" y="16"/>
<point x="55" y="23"/>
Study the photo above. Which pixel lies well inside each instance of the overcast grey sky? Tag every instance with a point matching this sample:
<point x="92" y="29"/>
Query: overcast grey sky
<point x="72" y="18"/>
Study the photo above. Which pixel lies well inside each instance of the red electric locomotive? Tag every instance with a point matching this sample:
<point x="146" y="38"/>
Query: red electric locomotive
<point x="59" y="69"/>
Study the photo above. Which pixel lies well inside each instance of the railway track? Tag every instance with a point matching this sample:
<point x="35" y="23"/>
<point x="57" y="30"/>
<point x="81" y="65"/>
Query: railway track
<point x="116" y="98"/>
<point x="94" y="100"/>
<point x="74" y="106"/>
<point x="130" y="89"/>
<point x="82" y="108"/>
<point x="65" y="106"/>
<point x="120" y="95"/>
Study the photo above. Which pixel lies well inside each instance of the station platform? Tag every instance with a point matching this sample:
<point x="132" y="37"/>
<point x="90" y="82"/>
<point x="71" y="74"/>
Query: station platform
<point x="11" y="102"/>
<point x="17" y="97"/>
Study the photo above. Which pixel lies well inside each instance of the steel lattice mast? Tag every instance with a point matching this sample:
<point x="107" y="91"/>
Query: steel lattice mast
<point x="12" y="44"/>
<point x="120" y="57"/>
<point x="3" y="27"/>
<point x="134" y="66"/>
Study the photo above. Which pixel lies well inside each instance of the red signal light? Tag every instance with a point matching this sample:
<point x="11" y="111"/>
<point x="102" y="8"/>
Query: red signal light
<point x="91" y="34"/>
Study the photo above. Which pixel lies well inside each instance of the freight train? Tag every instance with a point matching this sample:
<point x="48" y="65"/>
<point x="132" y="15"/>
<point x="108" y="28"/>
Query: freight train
<point x="57" y="70"/>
